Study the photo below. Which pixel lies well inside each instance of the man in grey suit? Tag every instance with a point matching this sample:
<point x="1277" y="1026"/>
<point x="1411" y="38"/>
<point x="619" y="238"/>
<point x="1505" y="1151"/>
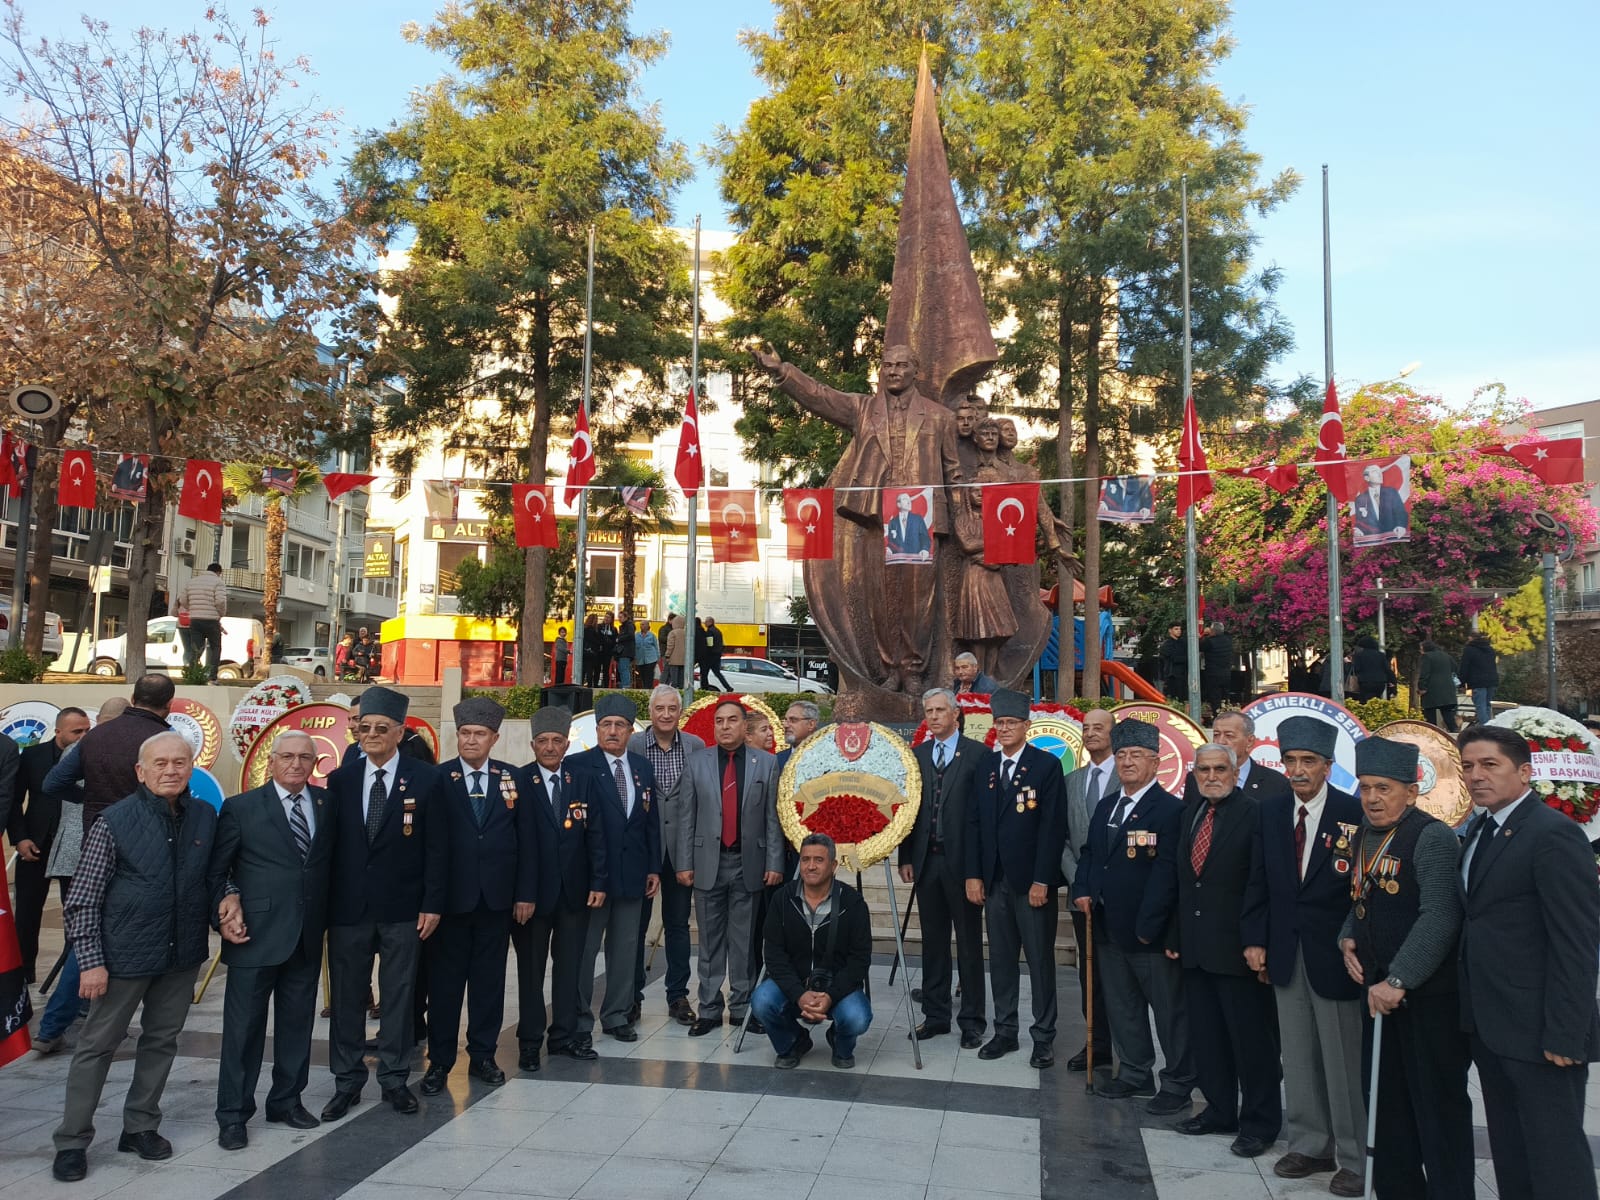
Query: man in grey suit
<point x="934" y="859"/>
<point x="1086" y="787"/>
<point x="269" y="884"/>
<point x="729" y="847"/>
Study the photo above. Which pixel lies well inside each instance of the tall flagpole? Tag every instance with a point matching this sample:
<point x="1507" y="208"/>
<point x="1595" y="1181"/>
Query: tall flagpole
<point x="1335" y="607"/>
<point x="1191" y="582"/>
<point x="692" y="565"/>
<point x="583" y="496"/>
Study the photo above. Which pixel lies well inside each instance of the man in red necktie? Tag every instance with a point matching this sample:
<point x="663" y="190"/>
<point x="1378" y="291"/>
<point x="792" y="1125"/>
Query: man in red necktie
<point x="728" y="839"/>
<point x="1232" y="1026"/>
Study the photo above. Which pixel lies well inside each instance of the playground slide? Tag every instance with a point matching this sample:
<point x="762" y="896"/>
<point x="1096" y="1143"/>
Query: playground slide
<point x="1132" y="681"/>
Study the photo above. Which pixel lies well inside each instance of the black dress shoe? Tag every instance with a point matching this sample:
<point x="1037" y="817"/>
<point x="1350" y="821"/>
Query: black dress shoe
<point x="146" y="1144"/>
<point x="704" y="1025"/>
<point x="1166" y="1104"/>
<point x="296" y="1118"/>
<point x="971" y="1041"/>
<point x="1079" y="1061"/>
<point x="232" y="1137"/>
<point x="752" y="1024"/>
<point x="623" y="1033"/>
<point x="341" y="1103"/>
<point x="485" y="1070"/>
<point x="1042" y="1057"/>
<point x="70" y="1165"/>
<point x="403" y="1099"/>
<point x="681" y="1012"/>
<point x="930" y="1030"/>
<point x="1204" y="1124"/>
<point x="1246" y="1146"/>
<point x="528" y="1058"/>
<point x="433" y="1082"/>
<point x="1120" y="1089"/>
<point x="582" y="1051"/>
<point x="998" y="1046"/>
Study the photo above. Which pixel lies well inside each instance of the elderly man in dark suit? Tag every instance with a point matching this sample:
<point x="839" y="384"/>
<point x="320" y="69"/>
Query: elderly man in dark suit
<point x="1016" y="825"/>
<point x="1528" y="949"/>
<point x="389" y="872"/>
<point x="934" y="861"/>
<point x="1086" y="787"/>
<point x="488" y="827"/>
<point x="1232" y="1022"/>
<point x="729" y="847"/>
<point x="1299" y="897"/>
<point x="630" y="809"/>
<point x="1128" y="878"/>
<point x="570" y="870"/>
<point x="35" y="817"/>
<point x="269" y="881"/>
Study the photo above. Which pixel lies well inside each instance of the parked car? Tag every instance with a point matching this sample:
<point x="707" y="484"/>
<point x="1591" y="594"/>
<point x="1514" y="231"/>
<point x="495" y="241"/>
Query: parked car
<point x="52" y="629"/>
<point x="163" y="649"/>
<point x="763" y="675"/>
<point x="316" y="659"/>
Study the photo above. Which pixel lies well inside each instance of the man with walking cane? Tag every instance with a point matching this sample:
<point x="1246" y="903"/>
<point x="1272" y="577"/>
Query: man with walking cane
<point x="1086" y="787"/>
<point x="1399" y="944"/>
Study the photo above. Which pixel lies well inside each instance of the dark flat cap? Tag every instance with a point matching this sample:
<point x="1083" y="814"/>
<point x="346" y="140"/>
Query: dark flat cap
<point x="554" y="719"/>
<point x="615" y="704"/>
<point x="479" y="710"/>
<point x="1307" y="733"/>
<point x="384" y="702"/>
<point x="1392" y="760"/>
<point x="1007" y="703"/>
<point x="1130" y="733"/>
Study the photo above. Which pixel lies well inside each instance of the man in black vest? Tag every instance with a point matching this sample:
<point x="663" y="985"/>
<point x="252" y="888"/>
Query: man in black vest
<point x="1528" y="949"/>
<point x="1232" y="1022"/>
<point x="389" y="871"/>
<point x="269" y="883"/>
<point x="1016" y="826"/>
<point x="934" y="859"/>
<point x="488" y="825"/>
<point x="35" y="816"/>
<point x="1399" y="944"/>
<point x="138" y="916"/>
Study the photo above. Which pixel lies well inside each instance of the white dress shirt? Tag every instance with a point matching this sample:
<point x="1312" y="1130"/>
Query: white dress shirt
<point x="1500" y="819"/>
<point x="468" y="771"/>
<point x="1098" y="780"/>
<point x="1127" y="801"/>
<point x="627" y="779"/>
<point x="388" y="781"/>
<point x="949" y="751"/>
<point x="1314" y="807"/>
<point x="306" y="806"/>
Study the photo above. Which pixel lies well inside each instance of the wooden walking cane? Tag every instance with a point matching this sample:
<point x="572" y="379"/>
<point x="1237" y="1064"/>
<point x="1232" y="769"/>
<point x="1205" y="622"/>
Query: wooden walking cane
<point x="210" y="971"/>
<point x="1088" y="987"/>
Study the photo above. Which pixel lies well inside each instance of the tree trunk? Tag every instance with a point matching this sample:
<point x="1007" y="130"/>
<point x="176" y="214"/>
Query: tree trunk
<point x="41" y="546"/>
<point x="530" y="632"/>
<point x="1065" y="575"/>
<point x="1091" y="495"/>
<point x="630" y="565"/>
<point x="144" y="564"/>
<point x="272" y="583"/>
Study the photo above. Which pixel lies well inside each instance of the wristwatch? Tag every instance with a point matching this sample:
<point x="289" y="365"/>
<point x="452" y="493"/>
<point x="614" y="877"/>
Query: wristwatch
<point x="1394" y="982"/>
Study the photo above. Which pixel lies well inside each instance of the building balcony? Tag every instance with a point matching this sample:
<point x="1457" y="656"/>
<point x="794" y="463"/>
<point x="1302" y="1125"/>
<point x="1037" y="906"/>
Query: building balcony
<point x="244" y="580"/>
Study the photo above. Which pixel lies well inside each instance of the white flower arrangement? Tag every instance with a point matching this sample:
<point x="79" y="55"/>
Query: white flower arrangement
<point x="1551" y="735"/>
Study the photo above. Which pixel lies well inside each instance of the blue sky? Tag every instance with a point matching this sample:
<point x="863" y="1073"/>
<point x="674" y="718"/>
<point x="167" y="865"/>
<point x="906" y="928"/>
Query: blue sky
<point x="1462" y="142"/>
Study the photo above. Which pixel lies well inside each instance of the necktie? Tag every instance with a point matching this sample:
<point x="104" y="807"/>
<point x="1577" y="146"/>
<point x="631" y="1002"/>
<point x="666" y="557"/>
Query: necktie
<point x="1480" y="852"/>
<point x="554" y="789"/>
<point x="621" y="781"/>
<point x="1124" y="808"/>
<point x="1202" y="840"/>
<point x="377" y="799"/>
<point x="1300" y="843"/>
<point x="938" y="756"/>
<point x="480" y="802"/>
<point x="730" y="805"/>
<point x="1092" y="796"/>
<point x="299" y="827"/>
<point x="1005" y="773"/>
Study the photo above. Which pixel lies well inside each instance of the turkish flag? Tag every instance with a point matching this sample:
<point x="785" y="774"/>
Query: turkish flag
<point x="1560" y="461"/>
<point x="340" y="482"/>
<point x="1280" y="477"/>
<point x="533" y="515"/>
<point x="580" y="459"/>
<point x="1010" y="517"/>
<point x="689" y="470"/>
<point x="75" y="488"/>
<point x="808" y="513"/>
<point x="1330" y="461"/>
<point x="1194" y="482"/>
<point x="733" y="527"/>
<point x="201" y="497"/>
<point x="16" y="1006"/>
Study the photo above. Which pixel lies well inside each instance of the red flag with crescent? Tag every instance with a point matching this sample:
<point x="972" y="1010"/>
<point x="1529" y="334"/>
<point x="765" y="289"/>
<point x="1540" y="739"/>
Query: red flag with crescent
<point x="16" y="1006"/>
<point x="733" y="526"/>
<point x="689" y="470"/>
<point x="533" y="515"/>
<point x="340" y="482"/>
<point x="1331" y="461"/>
<point x="201" y="497"/>
<point x="1560" y="461"/>
<point x="1194" y="480"/>
<point x="808" y="513"/>
<point x="1010" y="517"/>
<point x="1280" y="477"/>
<point x="75" y="489"/>
<point x="580" y="459"/>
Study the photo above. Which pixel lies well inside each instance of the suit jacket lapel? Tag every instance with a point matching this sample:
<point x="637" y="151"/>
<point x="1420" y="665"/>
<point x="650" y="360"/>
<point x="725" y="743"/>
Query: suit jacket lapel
<point x="1491" y="851"/>
<point x="276" y="817"/>
<point x="1325" y="834"/>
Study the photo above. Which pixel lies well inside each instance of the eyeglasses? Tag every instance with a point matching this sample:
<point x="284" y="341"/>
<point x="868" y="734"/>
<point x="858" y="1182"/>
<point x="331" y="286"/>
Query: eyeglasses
<point x="366" y="729"/>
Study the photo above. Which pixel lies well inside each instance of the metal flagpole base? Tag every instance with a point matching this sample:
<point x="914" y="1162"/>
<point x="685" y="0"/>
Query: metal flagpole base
<point x="900" y="956"/>
<point x="1372" y="1102"/>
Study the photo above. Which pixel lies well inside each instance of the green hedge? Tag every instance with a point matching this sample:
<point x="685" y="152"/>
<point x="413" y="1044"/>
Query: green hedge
<point x="524" y="701"/>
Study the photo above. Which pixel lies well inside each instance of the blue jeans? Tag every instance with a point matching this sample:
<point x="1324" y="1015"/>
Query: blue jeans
<point x="65" y="1005"/>
<point x="677" y="902"/>
<point x="851" y="1018"/>
<point x="1482" y="701"/>
<point x="624" y="672"/>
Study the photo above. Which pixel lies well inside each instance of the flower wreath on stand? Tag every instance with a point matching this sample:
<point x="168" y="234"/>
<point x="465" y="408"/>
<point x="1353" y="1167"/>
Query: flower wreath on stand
<point x="1566" y="759"/>
<point x="857" y="783"/>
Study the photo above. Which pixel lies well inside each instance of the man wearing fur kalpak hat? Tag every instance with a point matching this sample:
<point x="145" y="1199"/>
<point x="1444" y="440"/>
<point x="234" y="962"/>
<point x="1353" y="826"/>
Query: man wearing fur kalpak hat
<point x="1128" y="879"/>
<point x="489" y="885"/>
<point x="1298" y="898"/>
